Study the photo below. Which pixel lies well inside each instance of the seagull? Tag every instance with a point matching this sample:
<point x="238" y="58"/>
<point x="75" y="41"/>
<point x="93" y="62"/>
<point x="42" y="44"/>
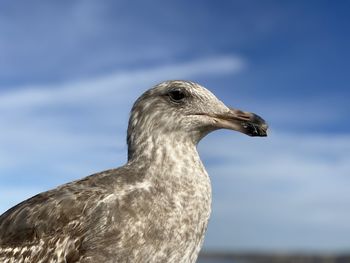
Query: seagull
<point x="155" y="208"/>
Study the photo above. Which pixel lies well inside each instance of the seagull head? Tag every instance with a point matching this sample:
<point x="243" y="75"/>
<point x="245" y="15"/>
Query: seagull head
<point x="183" y="109"/>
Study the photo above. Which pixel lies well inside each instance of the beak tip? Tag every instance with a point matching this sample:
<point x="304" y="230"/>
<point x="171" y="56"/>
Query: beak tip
<point x="256" y="129"/>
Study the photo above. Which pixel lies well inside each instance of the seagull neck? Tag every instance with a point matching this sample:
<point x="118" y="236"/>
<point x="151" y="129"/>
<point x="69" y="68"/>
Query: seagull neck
<point x="158" y="149"/>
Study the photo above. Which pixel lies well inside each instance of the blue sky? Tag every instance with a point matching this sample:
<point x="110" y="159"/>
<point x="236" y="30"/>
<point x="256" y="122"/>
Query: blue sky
<point x="70" y="71"/>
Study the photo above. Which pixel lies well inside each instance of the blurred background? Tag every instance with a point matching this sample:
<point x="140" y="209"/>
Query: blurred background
<point x="70" y="71"/>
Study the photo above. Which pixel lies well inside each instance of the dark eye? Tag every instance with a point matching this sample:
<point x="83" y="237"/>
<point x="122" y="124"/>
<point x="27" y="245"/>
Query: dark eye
<point x="176" y="95"/>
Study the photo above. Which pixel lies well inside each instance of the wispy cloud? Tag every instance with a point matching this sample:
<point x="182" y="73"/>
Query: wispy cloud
<point x="122" y="84"/>
<point x="284" y="187"/>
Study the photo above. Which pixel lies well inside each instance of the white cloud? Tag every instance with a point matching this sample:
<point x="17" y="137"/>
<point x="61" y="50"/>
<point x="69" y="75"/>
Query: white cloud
<point x="286" y="191"/>
<point x="121" y="84"/>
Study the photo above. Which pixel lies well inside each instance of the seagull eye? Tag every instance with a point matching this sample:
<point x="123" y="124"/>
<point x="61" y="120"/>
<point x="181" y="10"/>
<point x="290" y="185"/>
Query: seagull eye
<point x="177" y="95"/>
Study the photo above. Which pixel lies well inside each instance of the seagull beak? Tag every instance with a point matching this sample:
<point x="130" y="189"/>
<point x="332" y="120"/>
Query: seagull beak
<point x="245" y="122"/>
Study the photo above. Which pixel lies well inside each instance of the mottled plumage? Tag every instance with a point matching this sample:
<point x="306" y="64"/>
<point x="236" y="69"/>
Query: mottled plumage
<point x="153" y="209"/>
